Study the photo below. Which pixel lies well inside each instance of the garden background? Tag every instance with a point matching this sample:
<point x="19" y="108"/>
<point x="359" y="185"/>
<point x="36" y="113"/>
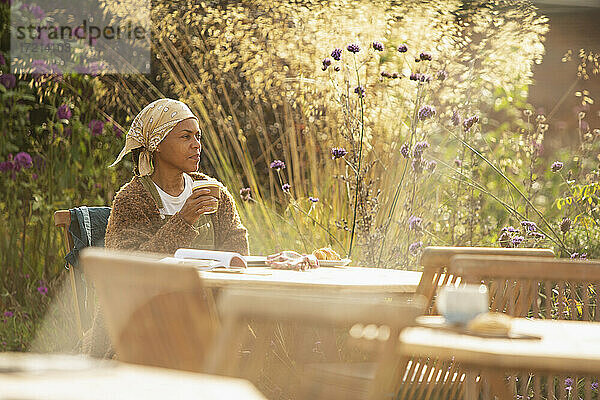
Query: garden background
<point x="376" y="129"/>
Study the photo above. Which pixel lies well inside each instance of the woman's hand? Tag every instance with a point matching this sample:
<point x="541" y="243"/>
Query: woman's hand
<point x="199" y="202"/>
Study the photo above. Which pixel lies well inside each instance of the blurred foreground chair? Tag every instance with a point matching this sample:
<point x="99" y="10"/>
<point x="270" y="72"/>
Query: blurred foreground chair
<point x="156" y="313"/>
<point x="253" y="323"/>
<point x="538" y="288"/>
<point x="81" y="227"/>
<point x="423" y="378"/>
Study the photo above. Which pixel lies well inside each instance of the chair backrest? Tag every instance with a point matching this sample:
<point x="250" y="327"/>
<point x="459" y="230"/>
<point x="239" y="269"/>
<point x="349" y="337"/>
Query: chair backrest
<point x="256" y="338"/>
<point x="435" y="259"/>
<point x="62" y="220"/>
<point x="533" y="286"/>
<point x="538" y="288"/>
<point x="93" y="220"/>
<point x="156" y="313"/>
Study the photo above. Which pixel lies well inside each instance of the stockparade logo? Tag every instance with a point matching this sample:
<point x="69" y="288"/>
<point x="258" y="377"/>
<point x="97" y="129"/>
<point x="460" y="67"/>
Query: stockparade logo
<point x="91" y="39"/>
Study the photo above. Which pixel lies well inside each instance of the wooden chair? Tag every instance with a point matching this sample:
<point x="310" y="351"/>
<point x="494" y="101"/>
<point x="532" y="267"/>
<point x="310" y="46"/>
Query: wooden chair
<point x="62" y="220"/>
<point x="423" y="378"/>
<point x="156" y="313"/>
<point x="253" y="343"/>
<point x="537" y="288"/>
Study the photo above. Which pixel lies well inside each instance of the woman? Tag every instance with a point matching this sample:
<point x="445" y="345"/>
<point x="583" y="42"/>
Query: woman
<point x="157" y="211"/>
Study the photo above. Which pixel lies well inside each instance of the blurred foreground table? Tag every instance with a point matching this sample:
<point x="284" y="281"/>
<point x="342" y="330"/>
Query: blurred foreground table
<point x="26" y="376"/>
<point x="356" y="279"/>
<point x="561" y="348"/>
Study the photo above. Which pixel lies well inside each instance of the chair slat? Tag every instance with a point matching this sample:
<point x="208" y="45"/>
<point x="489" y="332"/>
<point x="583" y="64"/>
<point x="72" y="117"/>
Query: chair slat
<point x="548" y="304"/>
<point x="586" y="302"/>
<point x="537" y="388"/>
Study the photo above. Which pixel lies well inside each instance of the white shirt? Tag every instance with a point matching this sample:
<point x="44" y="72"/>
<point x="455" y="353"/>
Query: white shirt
<point x="173" y="204"/>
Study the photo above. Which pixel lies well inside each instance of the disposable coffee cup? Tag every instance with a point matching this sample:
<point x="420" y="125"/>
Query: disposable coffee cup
<point x="460" y="304"/>
<point x="214" y="188"/>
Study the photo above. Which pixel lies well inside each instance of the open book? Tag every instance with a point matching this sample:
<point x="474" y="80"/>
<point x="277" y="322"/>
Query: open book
<point x="208" y="259"/>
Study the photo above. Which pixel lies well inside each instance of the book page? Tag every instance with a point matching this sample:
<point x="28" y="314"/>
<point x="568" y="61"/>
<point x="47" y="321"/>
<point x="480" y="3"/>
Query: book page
<point x="224" y="258"/>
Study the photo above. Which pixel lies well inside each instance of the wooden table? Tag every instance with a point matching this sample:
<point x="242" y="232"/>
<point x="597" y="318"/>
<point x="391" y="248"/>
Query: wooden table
<point x="45" y="377"/>
<point x="565" y="347"/>
<point x="357" y="279"/>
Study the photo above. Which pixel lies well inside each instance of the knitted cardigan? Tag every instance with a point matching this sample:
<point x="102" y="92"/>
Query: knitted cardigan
<point x="135" y="223"/>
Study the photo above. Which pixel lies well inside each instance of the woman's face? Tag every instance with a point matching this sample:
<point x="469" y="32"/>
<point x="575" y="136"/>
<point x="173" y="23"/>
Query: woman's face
<point x="181" y="148"/>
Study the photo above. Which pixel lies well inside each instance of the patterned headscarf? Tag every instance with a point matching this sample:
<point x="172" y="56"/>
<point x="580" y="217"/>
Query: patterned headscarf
<point x="150" y="127"/>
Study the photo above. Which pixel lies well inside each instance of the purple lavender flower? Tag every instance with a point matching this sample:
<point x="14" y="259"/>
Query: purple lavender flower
<point x="431" y="165"/>
<point x="403" y="48"/>
<point x="338" y="152"/>
<point x="336" y="68"/>
<point x="419" y="77"/>
<point x="395" y="75"/>
<point x="313" y="199"/>
<point x="529" y="226"/>
<point x="425" y="57"/>
<point x="96" y="126"/>
<point x="505" y="240"/>
<point x="417" y="165"/>
<point x="118" y="132"/>
<point x="426" y="112"/>
<point x="34" y="176"/>
<point x="360" y="91"/>
<point x="458" y="162"/>
<point x="246" y="194"/>
<point x="378" y="46"/>
<point x="8" y="314"/>
<point x="277" y="164"/>
<point x="414" y="247"/>
<point x="517" y="240"/>
<point x="419" y="148"/>
<point x="336" y="54"/>
<point x="556" y="166"/>
<point x="568" y="383"/>
<point x="595" y="386"/>
<point x="509" y="229"/>
<point x="9" y="81"/>
<point x="37" y="11"/>
<point x="286" y="187"/>
<point x="64" y="112"/>
<point x="42" y="289"/>
<point x="326" y="63"/>
<point x="565" y="225"/>
<point x="386" y="74"/>
<point x="6" y="166"/>
<point x="581" y="256"/>
<point x="23" y="160"/>
<point x="469" y="122"/>
<point x="414" y="223"/>
<point x="455" y="118"/>
<point x="441" y="75"/>
<point x="353" y="48"/>
<point x="405" y="150"/>
<point x="2" y="59"/>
